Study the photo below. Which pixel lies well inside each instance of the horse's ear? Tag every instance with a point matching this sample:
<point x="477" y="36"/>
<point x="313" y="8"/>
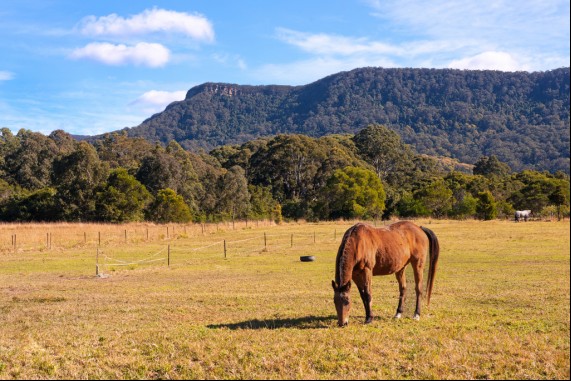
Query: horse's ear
<point x="334" y="285"/>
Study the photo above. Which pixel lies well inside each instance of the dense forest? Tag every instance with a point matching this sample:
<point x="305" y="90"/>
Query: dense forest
<point x="371" y="174"/>
<point x="521" y="118"/>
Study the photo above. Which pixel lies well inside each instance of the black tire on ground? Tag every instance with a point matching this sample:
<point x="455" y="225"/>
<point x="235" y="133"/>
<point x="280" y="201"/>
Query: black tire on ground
<point x="307" y="258"/>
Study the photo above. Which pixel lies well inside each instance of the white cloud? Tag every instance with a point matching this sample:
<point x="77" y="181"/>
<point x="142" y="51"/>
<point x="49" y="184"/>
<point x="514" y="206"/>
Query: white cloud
<point x="332" y="44"/>
<point x="489" y="61"/>
<point x="227" y="59"/>
<point x="6" y="75"/>
<point x="149" y="21"/>
<point x="155" y="100"/>
<point x="143" y="53"/>
<point x="534" y="32"/>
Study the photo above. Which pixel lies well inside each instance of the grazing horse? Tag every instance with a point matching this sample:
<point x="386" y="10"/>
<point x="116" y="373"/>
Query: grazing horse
<point x="366" y="251"/>
<point x="519" y="214"/>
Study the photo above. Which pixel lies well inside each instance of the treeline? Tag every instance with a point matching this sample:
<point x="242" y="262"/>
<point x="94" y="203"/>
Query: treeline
<point x="369" y="175"/>
<point x="521" y="118"/>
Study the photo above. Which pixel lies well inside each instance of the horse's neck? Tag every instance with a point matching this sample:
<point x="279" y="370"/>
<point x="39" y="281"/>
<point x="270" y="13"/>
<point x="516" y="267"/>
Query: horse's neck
<point x="345" y="260"/>
<point x="344" y="273"/>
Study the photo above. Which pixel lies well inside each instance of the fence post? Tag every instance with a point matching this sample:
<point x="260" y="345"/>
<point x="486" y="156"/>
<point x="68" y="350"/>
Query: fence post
<point x="99" y="235"/>
<point x="224" y="249"/>
<point x="125" y="235"/>
<point x="265" y="241"/>
<point x="291" y="239"/>
<point x="314" y="237"/>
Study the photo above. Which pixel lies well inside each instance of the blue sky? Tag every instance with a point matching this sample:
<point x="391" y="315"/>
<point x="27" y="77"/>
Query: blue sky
<point x="90" y="67"/>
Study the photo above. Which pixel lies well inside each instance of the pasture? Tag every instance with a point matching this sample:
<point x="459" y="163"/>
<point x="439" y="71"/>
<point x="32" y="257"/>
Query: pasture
<point x="168" y="304"/>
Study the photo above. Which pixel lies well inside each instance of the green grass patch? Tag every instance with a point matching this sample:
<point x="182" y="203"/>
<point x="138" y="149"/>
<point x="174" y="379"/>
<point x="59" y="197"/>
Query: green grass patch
<point x="499" y="309"/>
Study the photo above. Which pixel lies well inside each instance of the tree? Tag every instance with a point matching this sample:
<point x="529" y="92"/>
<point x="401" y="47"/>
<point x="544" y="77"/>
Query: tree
<point x="464" y="205"/>
<point x="170" y="168"/>
<point x="559" y="197"/>
<point x="436" y="197"/>
<point x="409" y="206"/>
<point x="384" y="150"/>
<point x="233" y="195"/>
<point x="491" y="166"/>
<point x="159" y="170"/>
<point x="122" y="199"/>
<point x="39" y="206"/>
<point x="30" y="164"/>
<point x="289" y="164"/>
<point x="121" y="151"/>
<point x="77" y="177"/>
<point x="538" y="190"/>
<point x="262" y="203"/>
<point x="353" y="192"/>
<point x="168" y="206"/>
<point x="486" y="206"/>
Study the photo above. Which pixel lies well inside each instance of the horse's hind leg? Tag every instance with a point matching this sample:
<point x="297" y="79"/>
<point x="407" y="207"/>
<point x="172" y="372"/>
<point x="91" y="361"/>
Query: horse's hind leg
<point x="363" y="280"/>
<point x="418" y="273"/>
<point x="401" y="278"/>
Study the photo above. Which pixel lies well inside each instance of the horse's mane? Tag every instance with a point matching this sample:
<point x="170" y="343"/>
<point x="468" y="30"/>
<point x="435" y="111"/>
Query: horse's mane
<point x="342" y="254"/>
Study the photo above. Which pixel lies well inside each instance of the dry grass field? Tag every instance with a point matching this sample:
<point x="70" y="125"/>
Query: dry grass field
<point x="170" y="303"/>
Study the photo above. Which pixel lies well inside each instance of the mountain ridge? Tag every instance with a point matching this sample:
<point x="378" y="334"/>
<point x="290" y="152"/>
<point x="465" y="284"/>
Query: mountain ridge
<point x="520" y="117"/>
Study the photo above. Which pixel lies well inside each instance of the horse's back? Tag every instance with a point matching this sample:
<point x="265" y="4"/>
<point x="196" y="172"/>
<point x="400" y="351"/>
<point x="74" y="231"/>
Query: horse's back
<point x="388" y="249"/>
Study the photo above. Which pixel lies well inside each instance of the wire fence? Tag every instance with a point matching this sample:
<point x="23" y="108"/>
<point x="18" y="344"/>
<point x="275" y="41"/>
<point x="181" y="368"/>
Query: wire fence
<point x="21" y="237"/>
<point x="184" y="252"/>
<point x="131" y="246"/>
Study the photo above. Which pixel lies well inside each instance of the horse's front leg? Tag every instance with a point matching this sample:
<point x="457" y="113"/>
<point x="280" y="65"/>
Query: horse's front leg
<point x="401" y="278"/>
<point x="363" y="280"/>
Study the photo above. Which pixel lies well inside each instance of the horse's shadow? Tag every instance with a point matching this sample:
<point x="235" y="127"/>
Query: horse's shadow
<point x="308" y="322"/>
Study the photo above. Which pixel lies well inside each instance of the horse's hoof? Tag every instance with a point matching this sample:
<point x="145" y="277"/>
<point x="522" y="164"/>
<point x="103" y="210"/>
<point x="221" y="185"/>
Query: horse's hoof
<point x="369" y="320"/>
<point x="416" y="317"/>
<point x="397" y="316"/>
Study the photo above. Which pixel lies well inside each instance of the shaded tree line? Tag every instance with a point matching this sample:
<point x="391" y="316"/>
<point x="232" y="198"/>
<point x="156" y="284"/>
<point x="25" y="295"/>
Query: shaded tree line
<point x="369" y="175"/>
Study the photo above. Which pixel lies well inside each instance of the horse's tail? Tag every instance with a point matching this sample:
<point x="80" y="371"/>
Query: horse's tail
<point x="434" y="252"/>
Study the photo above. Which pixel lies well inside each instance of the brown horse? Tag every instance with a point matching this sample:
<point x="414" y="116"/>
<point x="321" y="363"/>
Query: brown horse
<point x="366" y="251"/>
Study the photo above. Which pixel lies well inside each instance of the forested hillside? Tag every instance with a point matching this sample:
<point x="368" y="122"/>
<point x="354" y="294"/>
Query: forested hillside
<point x="521" y="118"/>
<point x="369" y="175"/>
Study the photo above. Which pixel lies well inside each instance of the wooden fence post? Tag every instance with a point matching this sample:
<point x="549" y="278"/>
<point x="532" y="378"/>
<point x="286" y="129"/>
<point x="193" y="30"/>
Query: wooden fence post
<point x="224" y="249"/>
<point x="97" y="263"/>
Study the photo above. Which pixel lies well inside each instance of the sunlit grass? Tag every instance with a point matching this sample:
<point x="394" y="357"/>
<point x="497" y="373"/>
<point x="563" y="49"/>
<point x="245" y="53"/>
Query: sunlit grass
<point x="499" y="309"/>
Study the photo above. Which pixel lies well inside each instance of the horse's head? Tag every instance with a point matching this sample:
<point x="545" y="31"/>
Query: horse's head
<point x="342" y="302"/>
